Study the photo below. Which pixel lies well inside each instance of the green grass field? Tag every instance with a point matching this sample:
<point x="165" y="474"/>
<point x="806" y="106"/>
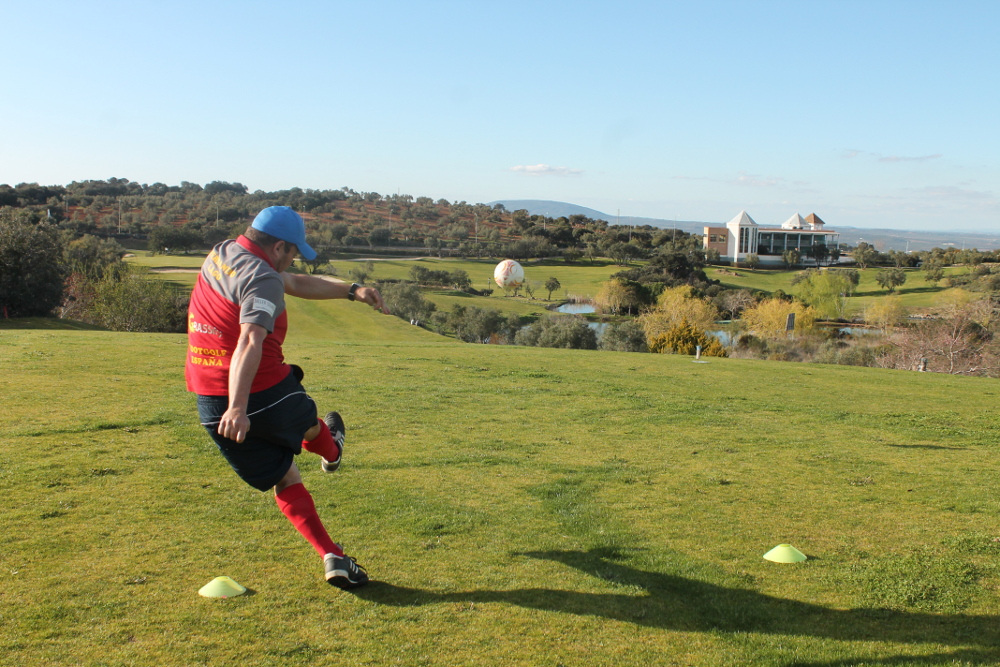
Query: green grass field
<point x="917" y="293"/>
<point x="581" y="279"/>
<point x="517" y="506"/>
<point x="584" y="279"/>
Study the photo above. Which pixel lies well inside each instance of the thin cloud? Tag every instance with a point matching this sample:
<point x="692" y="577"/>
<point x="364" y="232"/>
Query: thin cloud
<point x="744" y="178"/>
<point x="854" y="152"/>
<point x="903" y="158"/>
<point x="952" y="192"/>
<point x="546" y="170"/>
<point x="755" y="181"/>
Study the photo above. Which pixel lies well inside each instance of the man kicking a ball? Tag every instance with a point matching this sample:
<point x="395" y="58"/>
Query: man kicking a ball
<point x="250" y="401"/>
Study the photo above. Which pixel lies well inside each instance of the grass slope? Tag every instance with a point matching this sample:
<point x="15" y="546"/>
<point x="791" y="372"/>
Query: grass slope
<point x="916" y="293"/>
<point x="579" y="279"/>
<point x="517" y="506"/>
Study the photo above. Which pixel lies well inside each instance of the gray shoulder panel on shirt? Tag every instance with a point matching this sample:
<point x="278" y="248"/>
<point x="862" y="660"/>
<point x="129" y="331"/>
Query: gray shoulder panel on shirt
<point x="243" y="278"/>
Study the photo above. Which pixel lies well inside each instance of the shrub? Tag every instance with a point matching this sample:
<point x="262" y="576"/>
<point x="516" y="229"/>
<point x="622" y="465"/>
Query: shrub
<point x="885" y="312"/>
<point x="132" y="301"/>
<point x="674" y="305"/>
<point x="476" y="325"/>
<point x="684" y="338"/>
<point x="767" y="319"/>
<point x="624" y="337"/>
<point x="566" y="331"/>
<point x="406" y="301"/>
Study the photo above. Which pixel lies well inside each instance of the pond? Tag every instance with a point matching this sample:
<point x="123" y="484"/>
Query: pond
<point x="598" y="327"/>
<point x="725" y="337"/>
<point x="728" y="337"/>
<point x="577" y="308"/>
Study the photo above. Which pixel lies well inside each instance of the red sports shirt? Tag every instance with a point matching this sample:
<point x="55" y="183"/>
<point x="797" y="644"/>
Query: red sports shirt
<point x="237" y="284"/>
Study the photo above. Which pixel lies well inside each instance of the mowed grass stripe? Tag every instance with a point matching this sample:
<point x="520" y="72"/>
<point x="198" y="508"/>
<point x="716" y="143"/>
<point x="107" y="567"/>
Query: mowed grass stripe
<point x="519" y="505"/>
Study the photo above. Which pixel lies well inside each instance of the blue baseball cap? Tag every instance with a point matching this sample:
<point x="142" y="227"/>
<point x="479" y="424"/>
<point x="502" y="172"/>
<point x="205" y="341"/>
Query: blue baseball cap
<point x="283" y="223"/>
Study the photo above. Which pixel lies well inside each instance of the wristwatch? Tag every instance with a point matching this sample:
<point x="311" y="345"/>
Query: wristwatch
<point x="351" y="291"/>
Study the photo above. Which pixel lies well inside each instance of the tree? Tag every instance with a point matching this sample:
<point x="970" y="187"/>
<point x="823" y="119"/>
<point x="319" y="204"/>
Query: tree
<point x="753" y="260"/>
<point x="768" y="318"/>
<point x="961" y="342"/>
<point x="622" y="253"/>
<point x="674" y="305"/>
<point x="405" y="300"/>
<point x="552" y="284"/>
<point x="432" y="242"/>
<point x="361" y="272"/>
<point x="338" y="231"/>
<point x="460" y="279"/>
<point x="166" y="237"/>
<point x="617" y="295"/>
<point x="736" y="301"/>
<point x="819" y="253"/>
<point x="323" y="256"/>
<point x="32" y="268"/>
<point x="885" y="312"/>
<point x="510" y="328"/>
<point x="380" y="236"/>
<point x="865" y="255"/>
<point x="791" y="258"/>
<point x="713" y="256"/>
<point x="827" y="292"/>
<point x="933" y="270"/>
<point x="91" y="256"/>
<point x="890" y="279"/>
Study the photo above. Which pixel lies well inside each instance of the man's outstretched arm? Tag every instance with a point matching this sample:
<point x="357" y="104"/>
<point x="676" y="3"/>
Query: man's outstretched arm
<point x="316" y="287"/>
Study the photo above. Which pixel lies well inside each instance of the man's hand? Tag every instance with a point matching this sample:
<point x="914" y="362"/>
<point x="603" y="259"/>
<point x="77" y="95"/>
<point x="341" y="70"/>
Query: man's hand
<point x="234" y="424"/>
<point x="246" y="359"/>
<point x="371" y="296"/>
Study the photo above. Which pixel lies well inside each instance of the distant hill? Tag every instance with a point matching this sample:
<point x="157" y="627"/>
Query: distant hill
<point x="883" y="239"/>
<point x="552" y="209"/>
<point x="897" y="239"/>
<point x="555" y="209"/>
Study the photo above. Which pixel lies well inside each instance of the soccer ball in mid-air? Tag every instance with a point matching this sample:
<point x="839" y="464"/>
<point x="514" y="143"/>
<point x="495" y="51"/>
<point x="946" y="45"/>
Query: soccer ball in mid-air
<point x="508" y="274"/>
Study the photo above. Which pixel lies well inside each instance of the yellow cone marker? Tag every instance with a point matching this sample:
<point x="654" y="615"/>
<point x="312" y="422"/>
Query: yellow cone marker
<point x="221" y="587"/>
<point x="785" y="553"/>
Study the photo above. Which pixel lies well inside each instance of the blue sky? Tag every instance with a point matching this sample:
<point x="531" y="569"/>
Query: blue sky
<point x="870" y="114"/>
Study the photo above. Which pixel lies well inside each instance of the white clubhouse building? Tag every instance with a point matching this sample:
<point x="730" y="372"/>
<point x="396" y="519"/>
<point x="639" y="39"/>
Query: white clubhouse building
<point x="742" y="236"/>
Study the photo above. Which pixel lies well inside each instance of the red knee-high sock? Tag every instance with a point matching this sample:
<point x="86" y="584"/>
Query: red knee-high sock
<point x="296" y="504"/>
<point x="323" y="443"/>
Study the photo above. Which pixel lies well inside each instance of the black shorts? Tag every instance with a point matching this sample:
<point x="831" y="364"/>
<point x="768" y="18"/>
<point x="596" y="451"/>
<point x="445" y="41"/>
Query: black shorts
<point x="279" y="418"/>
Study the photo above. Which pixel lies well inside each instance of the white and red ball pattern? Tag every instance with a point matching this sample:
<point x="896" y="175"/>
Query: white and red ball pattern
<point x="508" y="274"/>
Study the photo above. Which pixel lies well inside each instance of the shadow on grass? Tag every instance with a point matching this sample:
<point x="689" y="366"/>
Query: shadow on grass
<point x="900" y="291"/>
<point x="687" y="605"/>
<point x="52" y="323"/>
<point x="959" y="657"/>
<point x="926" y="447"/>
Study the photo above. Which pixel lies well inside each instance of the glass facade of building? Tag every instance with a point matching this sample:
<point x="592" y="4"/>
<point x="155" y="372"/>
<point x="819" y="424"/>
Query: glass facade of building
<point x="776" y="243"/>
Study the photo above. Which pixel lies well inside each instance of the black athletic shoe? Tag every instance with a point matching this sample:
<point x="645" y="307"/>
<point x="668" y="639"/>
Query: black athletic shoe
<point x="337" y="430"/>
<point x="343" y="572"/>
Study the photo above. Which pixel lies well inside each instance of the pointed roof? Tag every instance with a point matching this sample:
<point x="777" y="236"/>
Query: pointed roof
<point x="743" y="220"/>
<point x="794" y="222"/>
<point x="814" y="220"/>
